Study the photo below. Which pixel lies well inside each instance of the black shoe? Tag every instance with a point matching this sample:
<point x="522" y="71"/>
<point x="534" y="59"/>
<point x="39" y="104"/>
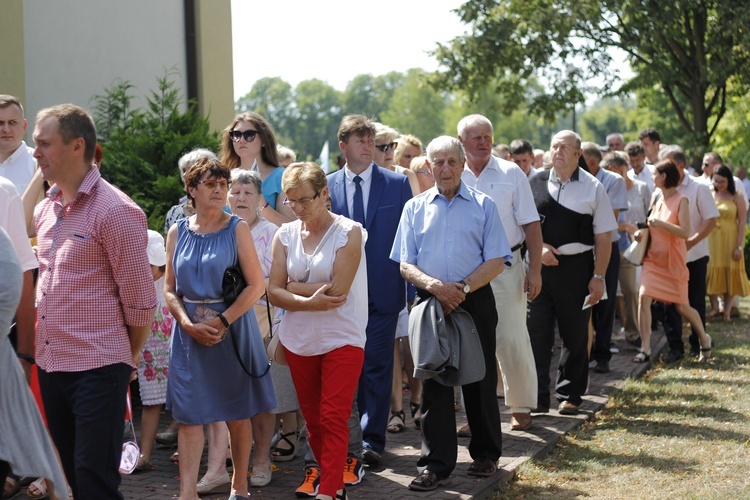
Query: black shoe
<point x="602" y="367"/>
<point x="674" y="355"/>
<point x="695" y="351"/>
<point x="370" y="456"/>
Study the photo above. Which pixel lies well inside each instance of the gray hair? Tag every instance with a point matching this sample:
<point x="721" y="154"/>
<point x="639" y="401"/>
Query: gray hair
<point x="247" y="177"/>
<point x="384" y="133"/>
<point x="674" y="153"/>
<point x="186" y="161"/>
<point x="470" y="120"/>
<point x="285" y="154"/>
<point x="445" y="143"/>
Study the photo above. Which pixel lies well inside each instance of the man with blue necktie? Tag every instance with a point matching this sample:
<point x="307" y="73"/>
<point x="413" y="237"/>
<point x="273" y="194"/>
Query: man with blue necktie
<point x="374" y="197"/>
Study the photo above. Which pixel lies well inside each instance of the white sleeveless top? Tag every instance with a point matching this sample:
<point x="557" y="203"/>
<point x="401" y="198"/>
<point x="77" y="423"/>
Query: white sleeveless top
<point x="312" y="333"/>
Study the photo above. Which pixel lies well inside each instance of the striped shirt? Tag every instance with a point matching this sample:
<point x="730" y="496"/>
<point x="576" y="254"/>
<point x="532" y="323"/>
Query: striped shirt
<point x="94" y="277"/>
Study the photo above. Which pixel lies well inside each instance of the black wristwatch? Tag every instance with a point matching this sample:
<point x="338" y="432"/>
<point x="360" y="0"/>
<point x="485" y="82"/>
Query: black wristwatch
<point x="467" y="288"/>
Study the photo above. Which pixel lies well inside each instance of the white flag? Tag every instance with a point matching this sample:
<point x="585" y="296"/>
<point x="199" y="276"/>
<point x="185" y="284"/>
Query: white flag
<point x="323" y="161"/>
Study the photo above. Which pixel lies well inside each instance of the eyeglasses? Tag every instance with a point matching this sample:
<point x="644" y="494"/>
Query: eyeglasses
<point x="212" y="183"/>
<point x="385" y="147"/>
<point x="423" y="172"/>
<point x="238" y="135"/>
<point x="303" y="202"/>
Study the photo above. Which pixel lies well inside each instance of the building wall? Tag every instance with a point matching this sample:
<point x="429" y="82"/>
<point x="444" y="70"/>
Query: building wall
<point x="69" y="51"/>
<point x="214" y="48"/>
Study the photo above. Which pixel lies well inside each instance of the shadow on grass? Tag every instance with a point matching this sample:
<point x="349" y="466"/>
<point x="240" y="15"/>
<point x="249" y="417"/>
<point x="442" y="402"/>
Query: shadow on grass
<point x="571" y="459"/>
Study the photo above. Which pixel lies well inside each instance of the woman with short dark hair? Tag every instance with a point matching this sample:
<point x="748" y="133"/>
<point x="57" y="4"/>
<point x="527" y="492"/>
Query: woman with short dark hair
<point x="665" y="273"/>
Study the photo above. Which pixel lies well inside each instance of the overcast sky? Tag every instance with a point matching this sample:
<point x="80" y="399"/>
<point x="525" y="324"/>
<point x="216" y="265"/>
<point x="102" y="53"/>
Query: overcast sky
<point x="335" y="40"/>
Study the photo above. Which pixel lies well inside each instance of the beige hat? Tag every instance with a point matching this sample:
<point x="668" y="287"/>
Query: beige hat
<point x="157" y="255"/>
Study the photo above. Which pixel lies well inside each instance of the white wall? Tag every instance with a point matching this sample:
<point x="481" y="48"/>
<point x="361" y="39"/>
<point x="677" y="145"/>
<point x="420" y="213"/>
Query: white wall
<point x="74" y="49"/>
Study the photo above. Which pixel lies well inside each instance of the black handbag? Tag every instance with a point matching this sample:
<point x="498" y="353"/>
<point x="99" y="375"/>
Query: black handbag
<point x="232" y="285"/>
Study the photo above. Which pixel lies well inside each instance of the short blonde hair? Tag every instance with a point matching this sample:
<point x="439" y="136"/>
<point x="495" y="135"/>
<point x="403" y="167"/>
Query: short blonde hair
<point x="299" y="173"/>
<point x="418" y="163"/>
<point x="384" y="133"/>
<point x="403" y="141"/>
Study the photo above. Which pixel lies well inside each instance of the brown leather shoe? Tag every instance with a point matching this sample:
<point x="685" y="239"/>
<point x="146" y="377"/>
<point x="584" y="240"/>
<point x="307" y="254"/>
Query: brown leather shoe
<point x="427" y="481"/>
<point x="464" y="432"/>
<point x="520" y="421"/>
<point x="567" y="408"/>
<point x="484" y="467"/>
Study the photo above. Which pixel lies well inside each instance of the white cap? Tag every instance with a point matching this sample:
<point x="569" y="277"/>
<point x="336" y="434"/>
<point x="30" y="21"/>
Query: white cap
<point x="157" y="255"/>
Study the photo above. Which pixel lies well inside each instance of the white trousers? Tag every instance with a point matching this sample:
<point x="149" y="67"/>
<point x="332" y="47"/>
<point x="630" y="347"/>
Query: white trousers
<point x="513" y="344"/>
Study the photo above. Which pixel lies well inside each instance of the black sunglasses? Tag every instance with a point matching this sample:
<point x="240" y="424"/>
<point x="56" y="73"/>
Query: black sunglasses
<point x="238" y="135"/>
<point x="385" y="147"/>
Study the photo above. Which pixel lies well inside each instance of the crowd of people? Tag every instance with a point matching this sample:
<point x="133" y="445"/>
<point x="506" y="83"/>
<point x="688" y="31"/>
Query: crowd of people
<point x="288" y="303"/>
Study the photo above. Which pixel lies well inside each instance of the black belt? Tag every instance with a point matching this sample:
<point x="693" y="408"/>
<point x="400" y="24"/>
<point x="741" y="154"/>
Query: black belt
<point x="517" y="247"/>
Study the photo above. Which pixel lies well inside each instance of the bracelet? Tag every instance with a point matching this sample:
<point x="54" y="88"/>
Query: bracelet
<point x="223" y="320"/>
<point x="26" y="357"/>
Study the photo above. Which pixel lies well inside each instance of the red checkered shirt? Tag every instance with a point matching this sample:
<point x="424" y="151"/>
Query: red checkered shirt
<point x="94" y="277"/>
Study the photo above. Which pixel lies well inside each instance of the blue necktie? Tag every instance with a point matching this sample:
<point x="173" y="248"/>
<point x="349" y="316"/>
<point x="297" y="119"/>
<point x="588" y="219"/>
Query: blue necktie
<point x="359" y="205"/>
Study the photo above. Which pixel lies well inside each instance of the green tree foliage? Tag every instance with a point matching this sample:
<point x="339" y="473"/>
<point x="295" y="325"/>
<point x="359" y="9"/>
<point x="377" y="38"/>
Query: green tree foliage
<point x="273" y="98"/>
<point x="416" y="108"/>
<point x="317" y="117"/>
<point x="370" y="95"/>
<point x="731" y="139"/>
<point x="686" y="49"/>
<point x="141" y="146"/>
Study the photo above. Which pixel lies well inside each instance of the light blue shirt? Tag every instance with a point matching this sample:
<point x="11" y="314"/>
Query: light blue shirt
<point x="448" y="240"/>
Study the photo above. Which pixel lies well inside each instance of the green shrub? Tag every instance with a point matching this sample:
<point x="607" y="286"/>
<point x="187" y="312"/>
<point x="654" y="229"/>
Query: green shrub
<point x="141" y="146"/>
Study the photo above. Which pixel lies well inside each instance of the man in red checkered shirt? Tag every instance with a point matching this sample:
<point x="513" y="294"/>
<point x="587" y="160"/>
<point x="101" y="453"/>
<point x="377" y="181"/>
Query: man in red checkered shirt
<point x="95" y="299"/>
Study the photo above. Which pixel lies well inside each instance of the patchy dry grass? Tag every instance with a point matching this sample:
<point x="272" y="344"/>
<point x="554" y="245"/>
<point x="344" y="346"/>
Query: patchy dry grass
<point x="683" y="431"/>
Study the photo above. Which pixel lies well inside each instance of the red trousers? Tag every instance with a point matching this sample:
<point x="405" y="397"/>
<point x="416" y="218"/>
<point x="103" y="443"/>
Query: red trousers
<point x="325" y="389"/>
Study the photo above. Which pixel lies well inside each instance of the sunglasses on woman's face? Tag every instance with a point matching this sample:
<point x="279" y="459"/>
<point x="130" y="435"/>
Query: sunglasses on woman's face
<point x="385" y="147"/>
<point x="247" y="135"/>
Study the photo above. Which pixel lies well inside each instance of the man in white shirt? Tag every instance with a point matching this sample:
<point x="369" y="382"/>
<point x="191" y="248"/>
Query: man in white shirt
<point x="16" y="158"/>
<point x="507" y="184"/>
<point x="712" y="161"/>
<point x="650" y="140"/>
<point x="13" y="221"/>
<point x="640" y="170"/>
<point x="703" y="214"/>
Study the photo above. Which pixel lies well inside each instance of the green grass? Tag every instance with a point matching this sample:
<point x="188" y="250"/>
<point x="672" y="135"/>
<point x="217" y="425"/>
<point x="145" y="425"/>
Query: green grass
<point x="682" y="431"/>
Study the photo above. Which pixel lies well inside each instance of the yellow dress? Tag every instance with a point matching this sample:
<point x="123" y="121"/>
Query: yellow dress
<point x="725" y="275"/>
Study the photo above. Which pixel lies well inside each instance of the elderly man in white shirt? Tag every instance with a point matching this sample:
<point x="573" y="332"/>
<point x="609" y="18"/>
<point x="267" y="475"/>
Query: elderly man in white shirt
<point x="507" y="184"/>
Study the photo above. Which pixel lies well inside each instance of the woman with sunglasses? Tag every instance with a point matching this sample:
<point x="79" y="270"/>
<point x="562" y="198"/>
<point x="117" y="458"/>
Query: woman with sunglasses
<point x="319" y="277"/>
<point x="385" y="154"/>
<point x="250" y="144"/>
<point x="206" y="381"/>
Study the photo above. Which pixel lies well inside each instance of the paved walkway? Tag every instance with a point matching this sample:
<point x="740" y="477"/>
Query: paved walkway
<point x="398" y="468"/>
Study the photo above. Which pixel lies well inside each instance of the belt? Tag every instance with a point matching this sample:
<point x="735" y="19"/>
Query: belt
<point x="203" y="301"/>
<point x="517" y="247"/>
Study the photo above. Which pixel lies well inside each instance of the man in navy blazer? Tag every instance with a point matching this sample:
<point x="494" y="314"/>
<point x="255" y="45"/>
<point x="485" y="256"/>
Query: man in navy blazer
<point x="375" y="197"/>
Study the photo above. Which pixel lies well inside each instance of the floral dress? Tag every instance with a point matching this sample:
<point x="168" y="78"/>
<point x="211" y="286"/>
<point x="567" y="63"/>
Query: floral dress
<point x="154" y="366"/>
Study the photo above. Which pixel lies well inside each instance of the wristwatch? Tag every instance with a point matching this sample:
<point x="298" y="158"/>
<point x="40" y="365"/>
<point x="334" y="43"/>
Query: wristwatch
<point x="467" y="288"/>
<point x="599" y="277"/>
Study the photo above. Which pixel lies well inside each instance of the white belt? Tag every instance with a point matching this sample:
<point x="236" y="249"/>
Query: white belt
<point x="203" y="301"/>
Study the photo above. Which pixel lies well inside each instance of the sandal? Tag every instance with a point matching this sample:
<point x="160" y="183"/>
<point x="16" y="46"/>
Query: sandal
<point x="642" y="357"/>
<point x="705" y="357"/>
<point x="416" y="414"/>
<point x="143" y="464"/>
<point x="397" y="422"/>
<point x="713" y="312"/>
<point x="11" y="488"/>
<point x="40" y="485"/>
<point x="285" y="454"/>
